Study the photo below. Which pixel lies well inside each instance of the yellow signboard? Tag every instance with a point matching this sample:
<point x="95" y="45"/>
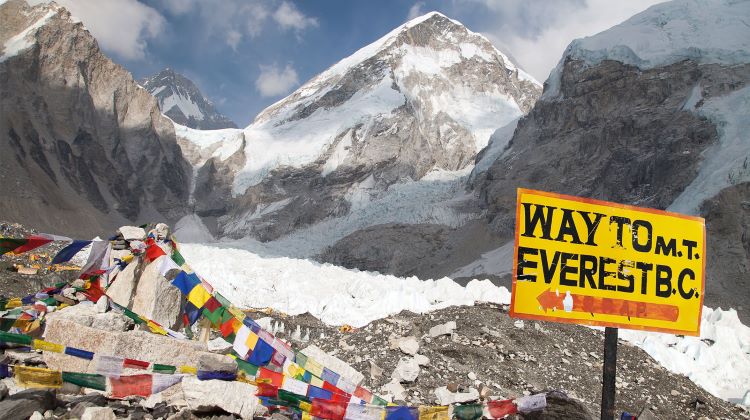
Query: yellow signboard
<point x="592" y="262"/>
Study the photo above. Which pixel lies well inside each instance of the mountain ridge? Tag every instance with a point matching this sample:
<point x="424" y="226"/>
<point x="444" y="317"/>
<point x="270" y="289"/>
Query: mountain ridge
<point x="182" y="101"/>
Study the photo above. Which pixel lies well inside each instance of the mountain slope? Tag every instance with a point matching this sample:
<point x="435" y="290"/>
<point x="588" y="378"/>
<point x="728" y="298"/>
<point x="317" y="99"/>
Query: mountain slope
<point x="82" y="146"/>
<point x="424" y="99"/>
<point x="181" y="100"/>
<point x="647" y="113"/>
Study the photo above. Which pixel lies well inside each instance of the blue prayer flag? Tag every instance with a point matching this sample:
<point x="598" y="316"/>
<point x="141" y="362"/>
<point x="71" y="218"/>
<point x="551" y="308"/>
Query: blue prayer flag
<point x="401" y="413"/>
<point x="186" y="282"/>
<point x="67" y="253"/>
<point x="83" y="354"/>
<point x="261" y="354"/>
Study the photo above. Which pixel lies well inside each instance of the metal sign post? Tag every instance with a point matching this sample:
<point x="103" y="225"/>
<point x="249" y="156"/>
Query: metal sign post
<point x="610" y="372"/>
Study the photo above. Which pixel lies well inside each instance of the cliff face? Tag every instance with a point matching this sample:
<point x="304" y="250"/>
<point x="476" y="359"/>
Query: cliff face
<point x="655" y="124"/>
<point x="83" y="146"/>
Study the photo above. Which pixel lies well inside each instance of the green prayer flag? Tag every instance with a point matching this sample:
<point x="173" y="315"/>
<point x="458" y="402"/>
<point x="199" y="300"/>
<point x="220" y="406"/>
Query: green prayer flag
<point x="132" y="315"/>
<point x="215" y="316"/>
<point x="15" y="338"/>
<point x="50" y="301"/>
<point x="222" y="299"/>
<point x="379" y="401"/>
<point x="291" y="397"/>
<point x="246" y="367"/>
<point x="468" y="412"/>
<point x="157" y="368"/>
<point x="300" y="359"/>
<point x="178" y="258"/>
<point x="9" y="244"/>
<point x="86" y="380"/>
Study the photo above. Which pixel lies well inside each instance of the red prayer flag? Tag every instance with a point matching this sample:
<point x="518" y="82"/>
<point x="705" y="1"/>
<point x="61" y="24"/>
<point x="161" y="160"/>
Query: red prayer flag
<point x="332" y="410"/>
<point x="276" y="378"/>
<point x="153" y="251"/>
<point x="267" y="390"/>
<point x="501" y="408"/>
<point x="363" y="394"/>
<point x="127" y="386"/>
<point x="135" y="364"/>
<point x="212" y="304"/>
<point x="338" y="394"/>
<point x="33" y="241"/>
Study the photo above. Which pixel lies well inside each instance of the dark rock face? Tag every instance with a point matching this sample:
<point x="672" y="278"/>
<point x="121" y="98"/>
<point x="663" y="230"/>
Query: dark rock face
<point x="172" y="89"/>
<point x="82" y="147"/>
<point x="621" y="134"/>
<point x="616" y="133"/>
<point x="728" y="250"/>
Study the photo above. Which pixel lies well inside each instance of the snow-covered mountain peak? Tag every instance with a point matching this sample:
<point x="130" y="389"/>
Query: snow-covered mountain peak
<point x="430" y="83"/>
<point x="181" y="100"/>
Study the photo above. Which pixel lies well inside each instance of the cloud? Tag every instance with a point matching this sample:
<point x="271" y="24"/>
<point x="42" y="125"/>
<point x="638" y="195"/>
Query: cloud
<point x="232" y="21"/>
<point x="416" y="10"/>
<point x="273" y="81"/>
<point x="122" y="27"/>
<point x="537" y="32"/>
<point x="289" y="17"/>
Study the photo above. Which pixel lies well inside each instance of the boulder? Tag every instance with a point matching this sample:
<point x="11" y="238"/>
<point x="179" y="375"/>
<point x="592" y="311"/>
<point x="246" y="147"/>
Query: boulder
<point x="130" y="233"/>
<point x="98" y="413"/>
<point x="139" y="345"/>
<point x="446" y="397"/>
<point x="23" y="404"/>
<point x="219" y="345"/>
<point x="406" y="370"/>
<point x="123" y="287"/>
<point x="443" y="329"/>
<point x="87" y="314"/>
<point x="233" y="397"/>
<point x="394" y="389"/>
<point x="409" y="345"/>
<point x="210" y="362"/>
<point x="3" y="391"/>
<point x="155" y="297"/>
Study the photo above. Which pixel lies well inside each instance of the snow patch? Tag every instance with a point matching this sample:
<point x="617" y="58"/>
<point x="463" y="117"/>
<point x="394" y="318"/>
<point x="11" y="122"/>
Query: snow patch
<point x="184" y="104"/>
<point x="23" y="40"/>
<point x="270" y="145"/>
<point x="226" y="141"/>
<point x="497" y="143"/>
<point x="718" y="360"/>
<point x="340" y="152"/>
<point x="727" y="162"/>
<point x="334" y="295"/>
<point x="497" y="262"/>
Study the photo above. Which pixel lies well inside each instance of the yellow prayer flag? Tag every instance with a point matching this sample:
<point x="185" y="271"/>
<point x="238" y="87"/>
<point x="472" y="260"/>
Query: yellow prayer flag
<point x="427" y="412"/>
<point x="237" y="313"/>
<point x="156" y="328"/>
<point x="13" y="303"/>
<point x="252" y="340"/>
<point x="315" y="381"/>
<point x="31" y="377"/>
<point x="191" y="370"/>
<point x="305" y="414"/>
<point x="314" y="367"/>
<point x="305" y="407"/>
<point x="47" y="346"/>
<point x="199" y="296"/>
<point x="294" y="369"/>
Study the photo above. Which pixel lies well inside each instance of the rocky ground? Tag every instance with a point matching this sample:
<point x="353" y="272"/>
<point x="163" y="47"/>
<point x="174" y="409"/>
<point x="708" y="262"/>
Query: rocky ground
<point x="487" y="353"/>
<point x="13" y="282"/>
<point x="511" y="358"/>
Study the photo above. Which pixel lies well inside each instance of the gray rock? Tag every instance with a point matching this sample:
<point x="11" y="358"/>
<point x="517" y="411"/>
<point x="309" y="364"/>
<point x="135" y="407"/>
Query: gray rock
<point x="406" y="370"/>
<point x="446" y="397"/>
<point x="130" y="233"/>
<point x="443" y="329"/>
<point x="210" y="362"/>
<point x="24" y="403"/>
<point x="36" y="416"/>
<point x="155" y="297"/>
<point x="98" y="413"/>
<point x="54" y="131"/>
<point x="3" y="391"/>
<point x="409" y="345"/>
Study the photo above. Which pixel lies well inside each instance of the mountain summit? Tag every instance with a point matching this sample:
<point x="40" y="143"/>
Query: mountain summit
<point x="425" y="97"/>
<point x="181" y="100"/>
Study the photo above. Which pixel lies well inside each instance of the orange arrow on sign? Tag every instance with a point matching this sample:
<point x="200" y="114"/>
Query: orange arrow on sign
<point x="607" y="306"/>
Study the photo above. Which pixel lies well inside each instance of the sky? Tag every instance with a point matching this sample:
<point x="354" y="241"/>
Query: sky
<point x="245" y="55"/>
